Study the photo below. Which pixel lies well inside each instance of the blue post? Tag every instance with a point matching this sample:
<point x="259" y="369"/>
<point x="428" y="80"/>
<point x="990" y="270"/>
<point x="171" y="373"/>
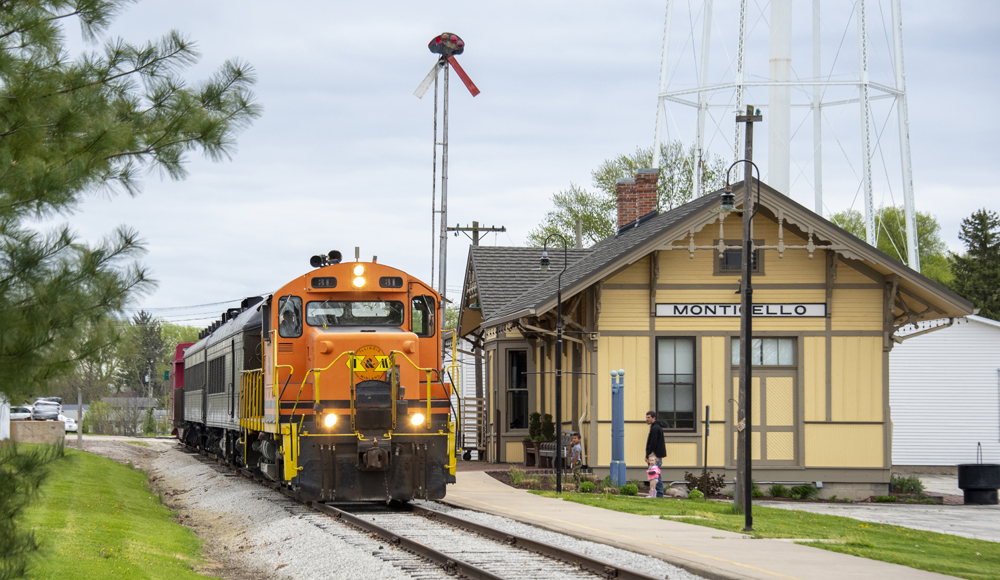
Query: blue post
<point x="618" y="427"/>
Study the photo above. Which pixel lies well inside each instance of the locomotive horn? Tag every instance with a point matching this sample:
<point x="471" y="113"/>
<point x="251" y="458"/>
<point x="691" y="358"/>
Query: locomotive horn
<point x="316" y="261"/>
<point x="335" y="257"/>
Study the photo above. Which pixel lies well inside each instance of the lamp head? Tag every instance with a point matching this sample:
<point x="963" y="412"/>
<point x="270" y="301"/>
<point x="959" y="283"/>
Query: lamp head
<point x="728" y="201"/>
<point x="543" y="264"/>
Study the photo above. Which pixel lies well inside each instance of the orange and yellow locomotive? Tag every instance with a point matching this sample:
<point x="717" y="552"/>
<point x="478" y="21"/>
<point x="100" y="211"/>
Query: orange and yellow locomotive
<point x="341" y="397"/>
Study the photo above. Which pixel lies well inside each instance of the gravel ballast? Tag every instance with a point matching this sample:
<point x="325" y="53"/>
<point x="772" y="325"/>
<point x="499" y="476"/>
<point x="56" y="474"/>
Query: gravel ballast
<point x="252" y="532"/>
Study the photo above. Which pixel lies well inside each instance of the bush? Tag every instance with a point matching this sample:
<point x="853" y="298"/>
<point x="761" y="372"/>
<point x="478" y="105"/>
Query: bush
<point x="756" y="493"/>
<point x="516" y="476"/>
<point x="548" y="428"/>
<point x="804" y="492"/>
<point x="611" y="490"/>
<point x="533" y="482"/>
<point x="628" y="489"/>
<point x="604" y="483"/>
<point x="535" y="426"/>
<point x="695" y="494"/>
<point x="551" y="481"/>
<point x="587" y="487"/>
<point x="715" y="483"/>
<point x="149" y="423"/>
<point x="778" y="490"/>
<point x="885" y="498"/>
<point x="569" y="487"/>
<point x="928" y="501"/>
<point x="97" y="419"/>
<point x="910" y="484"/>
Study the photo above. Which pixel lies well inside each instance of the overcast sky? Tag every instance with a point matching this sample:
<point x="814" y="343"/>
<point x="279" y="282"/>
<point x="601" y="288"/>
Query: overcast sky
<point x="341" y="156"/>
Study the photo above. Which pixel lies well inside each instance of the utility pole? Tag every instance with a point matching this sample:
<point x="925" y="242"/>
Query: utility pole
<point x="743" y="438"/>
<point x="476" y="230"/>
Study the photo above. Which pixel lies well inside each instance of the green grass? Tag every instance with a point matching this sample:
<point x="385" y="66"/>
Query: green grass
<point x="138" y="443"/>
<point x="934" y="552"/>
<point x="98" y="519"/>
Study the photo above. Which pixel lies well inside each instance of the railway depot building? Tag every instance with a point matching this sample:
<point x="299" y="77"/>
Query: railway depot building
<point x="660" y="299"/>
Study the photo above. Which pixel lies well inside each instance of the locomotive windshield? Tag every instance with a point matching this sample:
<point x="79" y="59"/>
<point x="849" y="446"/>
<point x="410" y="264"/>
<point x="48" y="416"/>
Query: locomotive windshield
<point x="354" y="313"/>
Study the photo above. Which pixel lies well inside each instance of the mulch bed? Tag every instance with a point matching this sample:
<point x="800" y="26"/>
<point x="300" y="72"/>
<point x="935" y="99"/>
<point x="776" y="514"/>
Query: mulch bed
<point x="543" y="475"/>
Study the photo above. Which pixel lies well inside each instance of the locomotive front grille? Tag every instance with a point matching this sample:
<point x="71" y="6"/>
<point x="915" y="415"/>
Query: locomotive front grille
<point x="373" y="405"/>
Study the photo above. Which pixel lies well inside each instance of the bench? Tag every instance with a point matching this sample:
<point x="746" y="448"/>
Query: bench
<point x="547" y="452"/>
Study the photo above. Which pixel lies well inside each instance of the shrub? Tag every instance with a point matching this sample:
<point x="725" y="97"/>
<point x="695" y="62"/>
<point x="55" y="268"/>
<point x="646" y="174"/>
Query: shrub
<point x="149" y="423"/>
<point x="928" y="501"/>
<point x="804" y="492"/>
<point x="551" y="481"/>
<point x="628" y="489"/>
<point x="604" y="483"/>
<point x="611" y="490"/>
<point x="885" y="498"/>
<point x="587" y="487"/>
<point x="833" y="498"/>
<point x="756" y="493"/>
<point x="715" y="483"/>
<point x="910" y="484"/>
<point x="535" y="426"/>
<point x="548" y="428"/>
<point x="569" y="487"/>
<point x="695" y="494"/>
<point x="778" y="490"/>
<point x="516" y="476"/>
<point x="533" y="482"/>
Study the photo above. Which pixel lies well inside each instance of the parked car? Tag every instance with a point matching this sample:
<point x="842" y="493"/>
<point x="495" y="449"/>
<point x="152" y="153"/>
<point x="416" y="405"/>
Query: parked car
<point x="45" y="410"/>
<point x="69" y="422"/>
<point x="20" y="413"/>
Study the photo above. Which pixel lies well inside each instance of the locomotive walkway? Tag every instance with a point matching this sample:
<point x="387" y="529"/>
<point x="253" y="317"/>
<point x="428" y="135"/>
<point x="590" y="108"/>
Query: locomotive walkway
<point x="708" y="552"/>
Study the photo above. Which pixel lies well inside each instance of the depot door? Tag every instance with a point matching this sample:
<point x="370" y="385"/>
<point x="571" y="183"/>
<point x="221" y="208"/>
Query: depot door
<point x="773" y="404"/>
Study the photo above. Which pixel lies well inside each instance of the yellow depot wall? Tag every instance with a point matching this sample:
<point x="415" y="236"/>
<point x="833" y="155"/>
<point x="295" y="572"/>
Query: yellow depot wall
<point x="814" y="358"/>
<point x="630" y="353"/>
<point x="681" y="455"/>
<point x="624" y="310"/>
<point x="635" y="443"/>
<point x="833" y="445"/>
<point x="515" y="452"/>
<point x="795" y="267"/>
<point x="754" y="445"/>
<point x="717" y="445"/>
<point x="713" y="374"/>
<point x="857" y="309"/>
<point x="856" y="378"/>
<point x="637" y="273"/>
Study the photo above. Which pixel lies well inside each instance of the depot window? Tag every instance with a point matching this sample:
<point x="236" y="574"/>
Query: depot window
<point x="730" y="261"/>
<point x="778" y="352"/>
<point x="517" y="389"/>
<point x="675" y="382"/>
<point x="354" y="313"/>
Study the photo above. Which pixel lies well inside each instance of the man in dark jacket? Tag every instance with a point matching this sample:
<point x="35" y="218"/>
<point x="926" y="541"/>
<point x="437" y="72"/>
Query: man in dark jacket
<point x="656" y="446"/>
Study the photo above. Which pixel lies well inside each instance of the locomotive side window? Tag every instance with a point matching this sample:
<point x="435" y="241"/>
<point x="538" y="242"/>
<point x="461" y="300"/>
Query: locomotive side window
<point x="290" y="317"/>
<point x="354" y="313"/>
<point x="422" y="316"/>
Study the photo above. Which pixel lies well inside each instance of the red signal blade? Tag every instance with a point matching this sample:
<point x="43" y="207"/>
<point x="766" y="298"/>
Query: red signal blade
<point x="465" y="78"/>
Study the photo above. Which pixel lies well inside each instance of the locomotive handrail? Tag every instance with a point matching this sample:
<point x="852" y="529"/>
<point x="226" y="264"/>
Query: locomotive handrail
<point x="317" y="371"/>
<point x="274" y="374"/>
<point x="427" y="372"/>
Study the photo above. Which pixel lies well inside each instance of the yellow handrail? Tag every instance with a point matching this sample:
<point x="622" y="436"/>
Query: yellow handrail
<point x="274" y="373"/>
<point x="427" y="373"/>
<point x="317" y="371"/>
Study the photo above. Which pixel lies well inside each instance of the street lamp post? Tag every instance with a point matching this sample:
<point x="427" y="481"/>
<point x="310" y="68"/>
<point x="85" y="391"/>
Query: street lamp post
<point x="728" y="204"/>
<point x="543" y="265"/>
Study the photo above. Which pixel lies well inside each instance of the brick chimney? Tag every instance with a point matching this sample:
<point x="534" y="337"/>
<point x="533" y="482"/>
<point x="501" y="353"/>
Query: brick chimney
<point x="636" y="197"/>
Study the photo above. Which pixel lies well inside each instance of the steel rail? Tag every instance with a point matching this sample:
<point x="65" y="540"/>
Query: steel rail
<point x="585" y="563"/>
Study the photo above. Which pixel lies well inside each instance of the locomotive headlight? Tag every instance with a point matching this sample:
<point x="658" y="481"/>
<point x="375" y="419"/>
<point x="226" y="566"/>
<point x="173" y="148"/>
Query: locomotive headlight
<point x="359" y="281"/>
<point x="330" y="420"/>
<point x="417" y="419"/>
<point x="359" y="270"/>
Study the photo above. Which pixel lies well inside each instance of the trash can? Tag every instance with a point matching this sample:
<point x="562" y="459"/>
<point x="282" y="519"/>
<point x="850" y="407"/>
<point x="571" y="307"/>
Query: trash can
<point x="979" y="481"/>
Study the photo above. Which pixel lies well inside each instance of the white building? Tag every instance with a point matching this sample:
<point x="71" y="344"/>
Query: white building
<point x="945" y="394"/>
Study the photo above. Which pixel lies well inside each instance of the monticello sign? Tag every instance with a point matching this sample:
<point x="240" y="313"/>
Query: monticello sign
<point x="793" y="310"/>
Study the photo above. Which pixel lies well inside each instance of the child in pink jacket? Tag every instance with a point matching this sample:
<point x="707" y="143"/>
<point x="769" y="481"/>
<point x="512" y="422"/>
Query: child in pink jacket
<point x="653" y="472"/>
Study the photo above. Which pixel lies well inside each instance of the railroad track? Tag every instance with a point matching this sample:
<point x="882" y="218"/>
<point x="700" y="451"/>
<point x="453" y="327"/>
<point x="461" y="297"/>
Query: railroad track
<point x="455" y="545"/>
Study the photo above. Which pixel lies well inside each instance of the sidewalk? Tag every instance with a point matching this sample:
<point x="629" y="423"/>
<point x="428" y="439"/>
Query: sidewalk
<point x="711" y="553"/>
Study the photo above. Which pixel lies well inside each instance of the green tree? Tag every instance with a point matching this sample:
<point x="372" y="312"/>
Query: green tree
<point x="139" y="353"/>
<point x="72" y="127"/>
<point x="173" y="334"/>
<point x="891" y="238"/>
<point x="597" y="209"/>
<point x="977" y="272"/>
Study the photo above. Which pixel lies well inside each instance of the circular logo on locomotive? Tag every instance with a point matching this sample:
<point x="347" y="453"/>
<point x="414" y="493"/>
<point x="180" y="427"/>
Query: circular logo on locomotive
<point x="370" y="363"/>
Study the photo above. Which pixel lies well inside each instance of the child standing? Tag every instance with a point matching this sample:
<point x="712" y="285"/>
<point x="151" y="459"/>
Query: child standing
<point x="653" y="472"/>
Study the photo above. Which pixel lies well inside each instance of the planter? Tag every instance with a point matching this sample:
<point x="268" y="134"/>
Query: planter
<point x="980" y="482"/>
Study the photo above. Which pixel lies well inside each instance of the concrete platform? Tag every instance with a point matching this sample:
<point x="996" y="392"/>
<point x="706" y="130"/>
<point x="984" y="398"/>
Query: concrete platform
<point x="711" y="553"/>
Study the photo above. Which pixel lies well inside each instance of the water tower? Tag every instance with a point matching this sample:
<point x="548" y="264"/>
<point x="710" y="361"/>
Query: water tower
<point x="829" y="80"/>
